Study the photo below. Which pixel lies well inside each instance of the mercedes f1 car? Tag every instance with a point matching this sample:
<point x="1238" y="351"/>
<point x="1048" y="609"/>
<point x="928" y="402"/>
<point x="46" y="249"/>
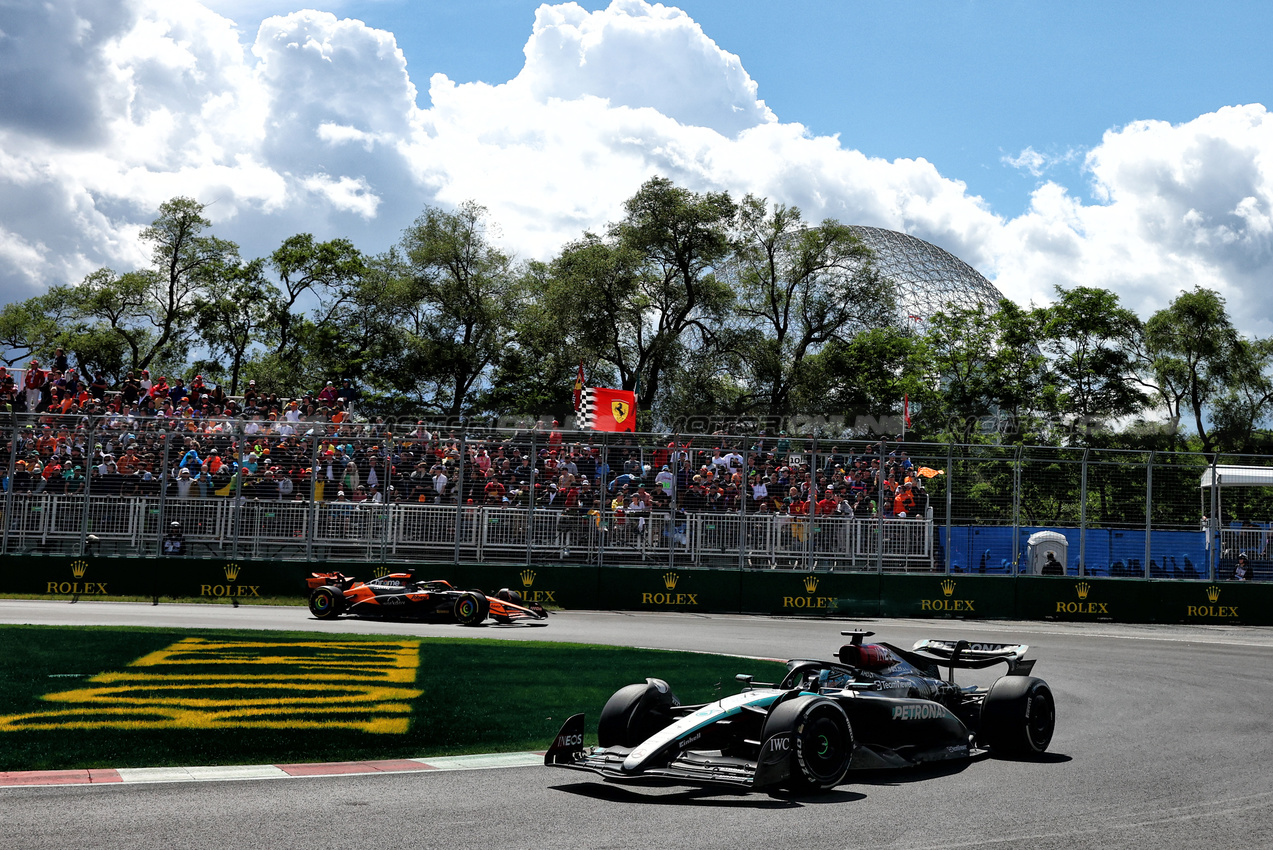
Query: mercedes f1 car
<point x="877" y="706"/>
<point x="398" y="596"/>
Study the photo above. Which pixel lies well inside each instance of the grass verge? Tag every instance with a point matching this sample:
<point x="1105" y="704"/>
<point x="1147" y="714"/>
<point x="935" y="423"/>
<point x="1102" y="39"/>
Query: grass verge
<point x="75" y="697"/>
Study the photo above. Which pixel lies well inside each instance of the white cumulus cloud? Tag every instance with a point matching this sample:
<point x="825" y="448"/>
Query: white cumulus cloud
<point x="313" y="123"/>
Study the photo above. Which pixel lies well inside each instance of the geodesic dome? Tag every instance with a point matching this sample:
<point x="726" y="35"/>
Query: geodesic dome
<point x="928" y="278"/>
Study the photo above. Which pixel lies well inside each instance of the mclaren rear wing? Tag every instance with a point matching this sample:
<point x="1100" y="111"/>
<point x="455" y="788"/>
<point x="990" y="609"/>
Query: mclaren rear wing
<point x="968" y="655"/>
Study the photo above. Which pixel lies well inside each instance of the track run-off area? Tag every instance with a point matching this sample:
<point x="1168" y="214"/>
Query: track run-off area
<point x="1164" y="739"/>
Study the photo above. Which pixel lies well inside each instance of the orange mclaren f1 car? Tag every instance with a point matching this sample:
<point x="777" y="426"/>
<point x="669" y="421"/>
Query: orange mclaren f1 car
<point x="399" y="596"/>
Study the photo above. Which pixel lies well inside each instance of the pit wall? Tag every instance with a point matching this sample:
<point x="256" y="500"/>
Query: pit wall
<point x="1090" y="599"/>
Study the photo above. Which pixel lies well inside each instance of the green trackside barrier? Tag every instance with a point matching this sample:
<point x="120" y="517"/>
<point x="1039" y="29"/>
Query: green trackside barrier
<point x="668" y="589"/>
<point x="1216" y="602"/>
<point x="551" y="585"/>
<point x="817" y="594"/>
<point x="229" y="578"/>
<point x="1074" y="599"/>
<point x="58" y="576"/>
<point x="781" y="592"/>
<point x="954" y="596"/>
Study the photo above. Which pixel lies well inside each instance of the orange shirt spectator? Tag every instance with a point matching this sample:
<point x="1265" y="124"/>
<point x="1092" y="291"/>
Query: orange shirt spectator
<point x="904" y="501"/>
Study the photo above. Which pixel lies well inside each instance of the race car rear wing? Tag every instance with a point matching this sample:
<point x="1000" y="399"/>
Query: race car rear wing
<point x="975" y="656"/>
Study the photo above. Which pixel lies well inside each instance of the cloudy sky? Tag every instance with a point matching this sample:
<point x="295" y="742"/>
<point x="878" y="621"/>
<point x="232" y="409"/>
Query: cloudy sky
<point x="1123" y="145"/>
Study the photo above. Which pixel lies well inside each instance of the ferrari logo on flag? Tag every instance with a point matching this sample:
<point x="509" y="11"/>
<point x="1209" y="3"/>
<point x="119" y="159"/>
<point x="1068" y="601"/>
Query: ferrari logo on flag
<point x="605" y="409"/>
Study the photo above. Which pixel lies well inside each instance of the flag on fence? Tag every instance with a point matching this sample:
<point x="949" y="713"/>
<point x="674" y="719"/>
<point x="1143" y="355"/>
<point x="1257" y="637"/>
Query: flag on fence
<point x="608" y="410"/>
<point x="578" y="388"/>
<point x="906" y="409"/>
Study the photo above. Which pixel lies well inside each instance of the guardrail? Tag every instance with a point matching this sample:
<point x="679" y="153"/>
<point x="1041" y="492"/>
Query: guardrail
<point x="319" y="531"/>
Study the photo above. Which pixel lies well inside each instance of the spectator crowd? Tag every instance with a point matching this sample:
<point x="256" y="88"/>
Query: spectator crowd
<point x="192" y="439"/>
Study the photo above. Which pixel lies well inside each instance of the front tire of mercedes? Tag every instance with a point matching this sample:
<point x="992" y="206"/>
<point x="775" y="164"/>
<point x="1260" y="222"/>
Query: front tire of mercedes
<point x="634" y="713"/>
<point x="821" y="741"/>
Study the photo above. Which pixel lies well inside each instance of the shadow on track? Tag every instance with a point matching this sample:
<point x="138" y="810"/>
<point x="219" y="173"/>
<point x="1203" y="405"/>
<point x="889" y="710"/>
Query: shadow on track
<point x="706" y="797"/>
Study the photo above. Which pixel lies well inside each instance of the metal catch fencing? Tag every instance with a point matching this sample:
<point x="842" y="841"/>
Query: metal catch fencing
<point x="113" y="486"/>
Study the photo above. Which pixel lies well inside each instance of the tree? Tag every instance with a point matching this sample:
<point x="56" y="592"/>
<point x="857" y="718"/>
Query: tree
<point x="797" y="288"/>
<point x="329" y="271"/>
<point x="230" y="318"/>
<point x="149" y="313"/>
<point x="988" y="367"/>
<point x="441" y="309"/>
<point x="1188" y="353"/>
<point x="1087" y="335"/>
<point x="637" y="302"/>
<point x="1245" y="402"/>
<point x="677" y="237"/>
<point x="865" y="378"/>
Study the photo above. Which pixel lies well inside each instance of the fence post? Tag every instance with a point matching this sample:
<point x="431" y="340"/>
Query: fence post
<point x="459" y="491"/>
<point x="1149" y="511"/>
<point x="950" y="488"/>
<point x="8" y="490"/>
<point x="879" y="512"/>
<point x="1016" y="510"/>
<point x="1083" y="515"/>
<point x="530" y="501"/>
<point x="313" y="497"/>
<point x="811" y="509"/>
<point x="1213" y="527"/>
<point x="236" y="492"/>
<point x="89" y="444"/>
<point x="744" y="493"/>
<point x="163" y="496"/>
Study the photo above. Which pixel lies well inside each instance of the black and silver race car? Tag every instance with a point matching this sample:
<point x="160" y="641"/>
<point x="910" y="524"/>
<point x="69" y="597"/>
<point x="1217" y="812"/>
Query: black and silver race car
<point x="877" y="706"/>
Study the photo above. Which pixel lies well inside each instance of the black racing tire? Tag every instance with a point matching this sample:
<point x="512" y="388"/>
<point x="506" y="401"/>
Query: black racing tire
<point x="1018" y="717"/>
<point x="468" y="608"/>
<point x="634" y="713"/>
<point x="486" y="603"/>
<point x="326" y="603"/>
<point x="822" y="741"/>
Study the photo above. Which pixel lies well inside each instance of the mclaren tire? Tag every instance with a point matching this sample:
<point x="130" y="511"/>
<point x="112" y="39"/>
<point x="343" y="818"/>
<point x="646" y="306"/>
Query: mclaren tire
<point x="469" y="608"/>
<point x="325" y="603"/>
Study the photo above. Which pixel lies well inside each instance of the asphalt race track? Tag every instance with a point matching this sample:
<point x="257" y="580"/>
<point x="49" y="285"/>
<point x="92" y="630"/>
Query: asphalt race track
<point x="1164" y="740"/>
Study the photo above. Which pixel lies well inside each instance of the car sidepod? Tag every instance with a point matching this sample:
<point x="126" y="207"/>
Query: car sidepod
<point x="901" y="732"/>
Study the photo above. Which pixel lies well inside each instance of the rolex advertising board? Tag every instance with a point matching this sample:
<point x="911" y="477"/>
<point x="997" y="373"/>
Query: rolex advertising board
<point x="1087" y="599"/>
<point x="668" y="589"/>
<point x="86" y="577"/>
<point x="815" y="594"/>
<point x="955" y="596"/>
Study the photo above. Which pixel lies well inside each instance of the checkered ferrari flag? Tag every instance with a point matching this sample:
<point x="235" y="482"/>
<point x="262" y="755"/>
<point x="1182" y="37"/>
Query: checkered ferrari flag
<point x="608" y="410"/>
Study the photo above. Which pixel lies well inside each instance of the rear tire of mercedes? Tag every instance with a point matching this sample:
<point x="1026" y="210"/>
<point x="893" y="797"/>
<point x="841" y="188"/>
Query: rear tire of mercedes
<point x="468" y="609"/>
<point x="325" y="603"/>
<point x="634" y="713"/>
<point x="1018" y="717"/>
<point x="821" y="741"/>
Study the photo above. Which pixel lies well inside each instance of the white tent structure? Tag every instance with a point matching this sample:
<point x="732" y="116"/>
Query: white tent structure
<point x="1233" y="540"/>
<point x="1238" y="476"/>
